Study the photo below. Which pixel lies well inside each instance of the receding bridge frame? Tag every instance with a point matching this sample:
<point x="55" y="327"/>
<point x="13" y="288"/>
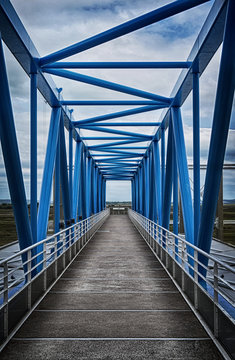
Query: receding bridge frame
<point x="152" y="177"/>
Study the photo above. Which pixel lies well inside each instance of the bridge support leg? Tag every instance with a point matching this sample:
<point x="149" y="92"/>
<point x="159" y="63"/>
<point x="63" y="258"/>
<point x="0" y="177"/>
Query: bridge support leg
<point x="182" y="166"/>
<point x="220" y="127"/>
<point x="33" y="155"/>
<point x="168" y="181"/>
<point x="157" y="179"/>
<point x="12" y="160"/>
<point x="163" y="161"/>
<point x="76" y="179"/>
<point x="196" y="154"/>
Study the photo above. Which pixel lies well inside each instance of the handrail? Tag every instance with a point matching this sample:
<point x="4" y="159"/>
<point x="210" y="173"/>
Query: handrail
<point x="169" y="243"/>
<point x="55" y="253"/>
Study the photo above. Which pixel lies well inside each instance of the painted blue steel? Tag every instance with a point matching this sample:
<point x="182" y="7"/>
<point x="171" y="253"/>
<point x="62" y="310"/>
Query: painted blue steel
<point x="125" y="142"/>
<point x="77" y="179"/>
<point x="120" y="30"/>
<point x="71" y="167"/>
<point x="122" y="65"/>
<point x="95" y="187"/>
<point x="152" y="196"/>
<point x="64" y="177"/>
<point x="45" y="196"/>
<point x="122" y="124"/>
<point x="116" y="153"/>
<point x="185" y="190"/>
<point x="124" y="148"/>
<point x="175" y="194"/>
<point x="108" y="102"/>
<point x="157" y="180"/>
<point x="119" y="132"/>
<point x="220" y="127"/>
<point x="106" y="138"/>
<point x="117" y="115"/>
<point x="57" y="189"/>
<point x="114" y="159"/>
<point x="196" y="154"/>
<point x="12" y="160"/>
<point x="108" y="85"/>
<point x="88" y="187"/>
<point x="33" y="155"/>
<point x="166" y="204"/>
<point x="163" y="160"/>
<point x="83" y="183"/>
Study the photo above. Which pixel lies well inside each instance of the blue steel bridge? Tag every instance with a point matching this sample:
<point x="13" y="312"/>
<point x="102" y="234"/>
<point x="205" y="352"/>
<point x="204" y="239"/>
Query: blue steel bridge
<point x="117" y="286"/>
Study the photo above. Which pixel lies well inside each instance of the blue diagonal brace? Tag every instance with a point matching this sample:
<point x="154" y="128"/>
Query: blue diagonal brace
<point x="44" y="203"/>
<point x="76" y="178"/>
<point x="107" y="85"/>
<point x="12" y="160"/>
<point x="182" y="166"/>
<point x="118" y="115"/>
<point x="125" y="28"/>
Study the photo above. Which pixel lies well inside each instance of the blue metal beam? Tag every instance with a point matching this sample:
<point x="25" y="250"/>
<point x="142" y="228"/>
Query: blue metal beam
<point x="108" y="102"/>
<point x="120" y="30"/>
<point x="44" y="203"/>
<point x="93" y="147"/>
<point x="182" y="166"/>
<point x="117" y="115"/>
<point x="118" y="132"/>
<point x="122" y="65"/>
<point x="157" y="179"/>
<point x="12" y="160"/>
<point x="196" y="153"/>
<point x="121" y="124"/>
<point x="76" y="178"/>
<point x="57" y="189"/>
<point x="220" y="127"/>
<point x="33" y="155"/>
<point x="64" y="177"/>
<point x="107" y="85"/>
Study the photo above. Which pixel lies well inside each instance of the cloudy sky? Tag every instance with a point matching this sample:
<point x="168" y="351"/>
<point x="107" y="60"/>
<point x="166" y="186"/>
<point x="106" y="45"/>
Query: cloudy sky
<point x="55" y="24"/>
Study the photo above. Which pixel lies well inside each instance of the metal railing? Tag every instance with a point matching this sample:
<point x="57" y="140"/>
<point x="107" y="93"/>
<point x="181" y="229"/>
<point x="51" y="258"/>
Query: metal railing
<point x="28" y="275"/>
<point x="198" y="275"/>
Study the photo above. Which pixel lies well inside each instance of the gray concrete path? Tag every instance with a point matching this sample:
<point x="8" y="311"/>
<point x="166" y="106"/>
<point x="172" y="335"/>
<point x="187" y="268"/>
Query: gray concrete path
<point x="114" y="302"/>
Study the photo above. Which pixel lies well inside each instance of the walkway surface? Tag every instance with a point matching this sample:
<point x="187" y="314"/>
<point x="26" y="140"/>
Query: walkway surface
<point x="114" y="302"/>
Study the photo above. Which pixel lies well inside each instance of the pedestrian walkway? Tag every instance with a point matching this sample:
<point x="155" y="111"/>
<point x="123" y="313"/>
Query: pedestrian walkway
<point x="114" y="302"/>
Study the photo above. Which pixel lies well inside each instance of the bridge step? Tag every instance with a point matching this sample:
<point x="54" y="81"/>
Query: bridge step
<point x="114" y="302"/>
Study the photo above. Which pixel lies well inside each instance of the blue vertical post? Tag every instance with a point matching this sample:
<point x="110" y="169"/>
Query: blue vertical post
<point x="221" y="120"/>
<point x="175" y="194"/>
<point x="12" y="160"/>
<point x="57" y="188"/>
<point x="163" y="160"/>
<point x="141" y="189"/>
<point x="168" y="181"/>
<point x="104" y="194"/>
<point x="71" y="161"/>
<point x="64" y="176"/>
<point x="152" y="196"/>
<point x="196" y="153"/>
<point x="33" y="155"/>
<point x="76" y="179"/>
<point x="182" y="166"/>
<point x="157" y="180"/>
<point x="83" y="184"/>
<point x="88" y="187"/>
<point x="95" y="188"/>
<point x="45" y="196"/>
<point x="137" y="191"/>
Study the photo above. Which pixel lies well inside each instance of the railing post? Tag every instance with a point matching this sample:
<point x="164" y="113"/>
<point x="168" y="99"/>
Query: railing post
<point x="216" y="298"/>
<point x="55" y="257"/>
<point x="29" y="277"/>
<point x="5" y="300"/>
<point x="44" y="266"/>
<point x="196" y="279"/>
<point x="182" y="269"/>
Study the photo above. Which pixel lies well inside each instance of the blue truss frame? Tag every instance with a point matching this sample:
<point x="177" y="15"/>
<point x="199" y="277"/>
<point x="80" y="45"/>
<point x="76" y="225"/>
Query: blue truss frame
<point x="153" y="174"/>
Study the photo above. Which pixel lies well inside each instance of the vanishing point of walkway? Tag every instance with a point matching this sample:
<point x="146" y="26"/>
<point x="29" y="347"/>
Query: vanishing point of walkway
<point x="114" y="302"/>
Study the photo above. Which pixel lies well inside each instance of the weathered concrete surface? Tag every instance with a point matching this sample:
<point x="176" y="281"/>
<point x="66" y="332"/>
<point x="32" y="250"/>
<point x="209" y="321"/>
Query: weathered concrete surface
<point x="114" y="302"/>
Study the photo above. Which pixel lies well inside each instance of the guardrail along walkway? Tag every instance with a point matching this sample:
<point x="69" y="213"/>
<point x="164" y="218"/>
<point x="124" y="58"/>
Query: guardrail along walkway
<point x="114" y="302"/>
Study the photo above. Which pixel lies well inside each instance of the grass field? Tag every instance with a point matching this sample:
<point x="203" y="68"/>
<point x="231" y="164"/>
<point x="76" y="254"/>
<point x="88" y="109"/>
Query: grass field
<point x="8" y="229"/>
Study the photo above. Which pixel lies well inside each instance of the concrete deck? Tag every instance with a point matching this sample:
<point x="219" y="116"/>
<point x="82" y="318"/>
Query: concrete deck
<point x="114" y="302"/>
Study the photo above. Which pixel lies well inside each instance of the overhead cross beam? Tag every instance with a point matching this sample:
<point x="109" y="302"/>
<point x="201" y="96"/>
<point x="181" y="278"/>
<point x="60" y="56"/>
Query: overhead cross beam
<point x="123" y="29"/>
